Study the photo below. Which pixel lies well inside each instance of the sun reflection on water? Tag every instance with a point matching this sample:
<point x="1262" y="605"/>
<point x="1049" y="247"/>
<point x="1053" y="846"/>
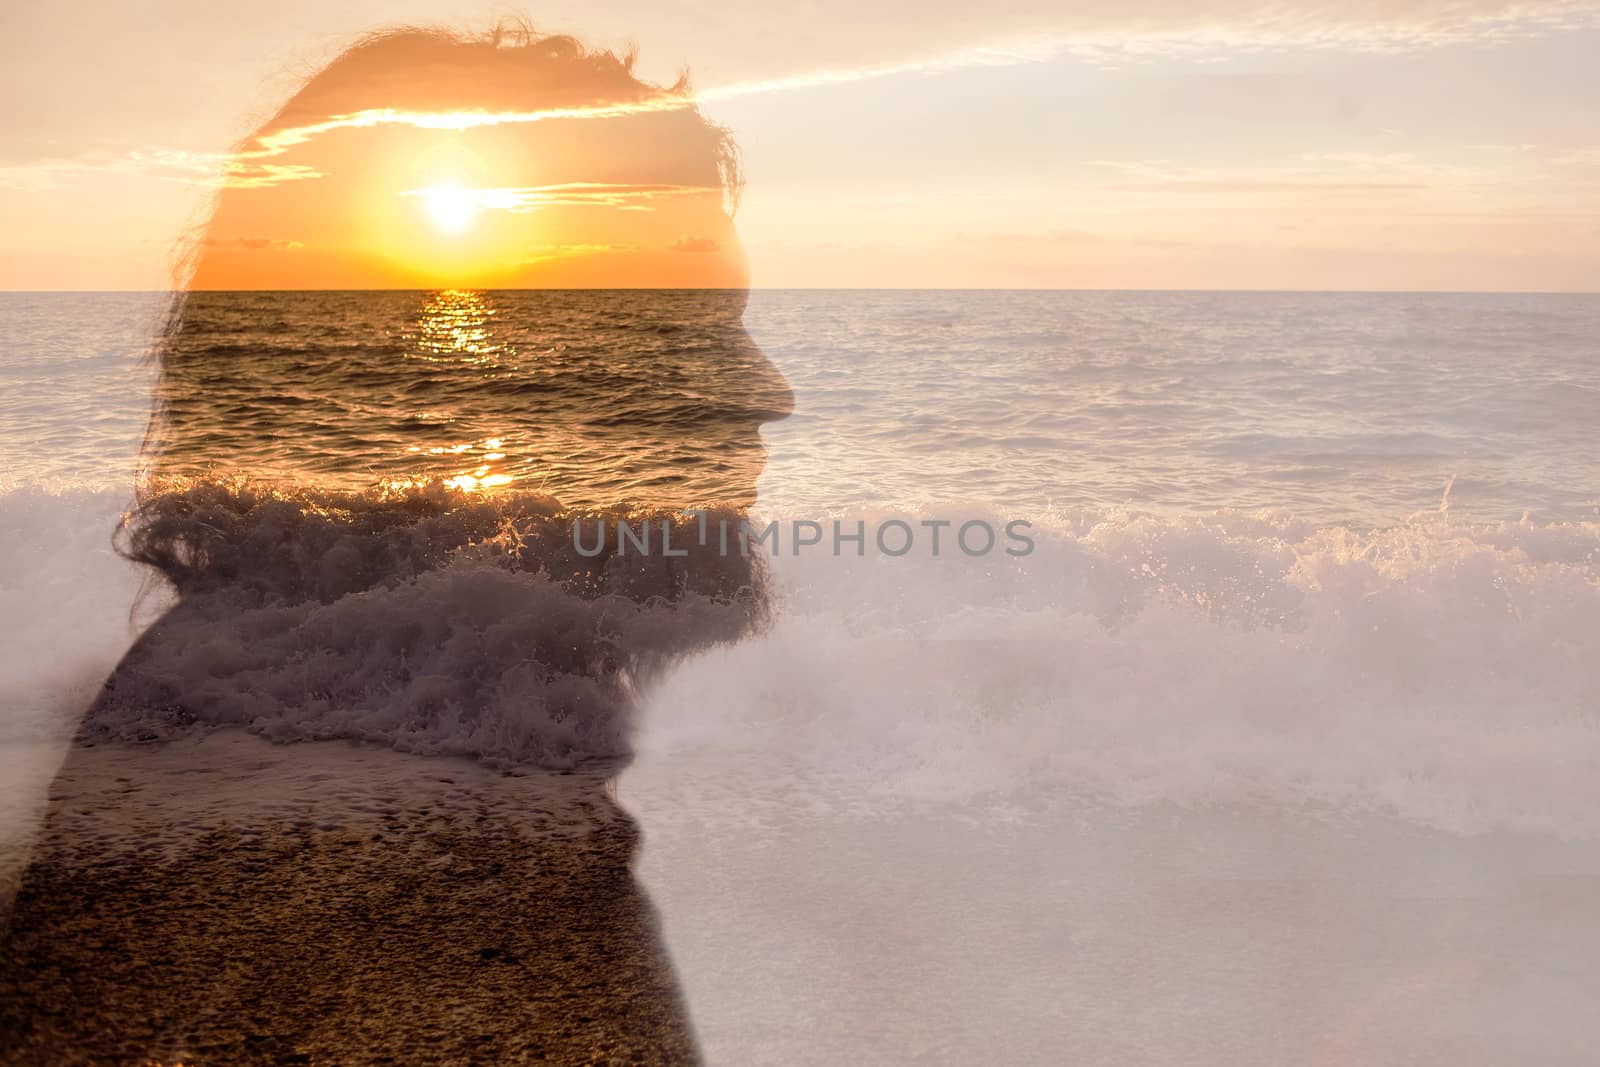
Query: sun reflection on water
<point x="456" y="327"/>
<point x="595" y="399"/>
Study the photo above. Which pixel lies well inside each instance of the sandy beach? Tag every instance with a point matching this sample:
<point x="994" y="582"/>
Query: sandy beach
<point x="224" y="900"/>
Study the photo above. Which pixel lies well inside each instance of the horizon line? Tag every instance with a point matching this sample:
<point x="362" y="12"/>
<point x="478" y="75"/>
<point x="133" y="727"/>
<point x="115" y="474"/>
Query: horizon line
<point x="821" y="289"/>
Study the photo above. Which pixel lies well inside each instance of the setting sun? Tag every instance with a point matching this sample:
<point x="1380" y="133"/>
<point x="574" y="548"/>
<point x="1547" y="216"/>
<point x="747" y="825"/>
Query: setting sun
<point x="450" y="207"/>
<point x="483" y="175"/>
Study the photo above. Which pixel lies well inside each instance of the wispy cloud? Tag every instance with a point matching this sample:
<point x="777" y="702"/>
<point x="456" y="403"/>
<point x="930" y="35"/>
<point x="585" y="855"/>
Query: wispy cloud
<point x="523" y="199"/>
<point x="279" y="141"/>
<point x="536" y="254"/>
<point x="1310" y="172"/>
<point x="214" y="169"/>
<point x="1247" y="29"/>
<point x="1045" y="238"/>
<point x="255" y="244"/>
<point x="1585" y="158"/>
<point x="1097" y="35"/>
<point x="687" y="243"/>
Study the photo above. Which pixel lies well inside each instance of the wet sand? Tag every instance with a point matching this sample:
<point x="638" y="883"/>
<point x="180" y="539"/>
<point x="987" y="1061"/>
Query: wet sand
<point x="224" y="900"/>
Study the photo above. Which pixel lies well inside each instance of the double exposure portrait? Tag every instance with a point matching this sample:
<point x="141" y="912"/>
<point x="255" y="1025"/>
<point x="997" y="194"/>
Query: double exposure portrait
<point x="847" y="535"/>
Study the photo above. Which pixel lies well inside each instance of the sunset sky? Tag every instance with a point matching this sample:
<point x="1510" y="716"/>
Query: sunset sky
<point x="1409" y="144"/>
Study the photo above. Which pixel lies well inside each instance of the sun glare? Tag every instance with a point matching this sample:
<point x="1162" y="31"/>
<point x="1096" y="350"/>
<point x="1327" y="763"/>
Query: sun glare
<point x="451" y="208"/>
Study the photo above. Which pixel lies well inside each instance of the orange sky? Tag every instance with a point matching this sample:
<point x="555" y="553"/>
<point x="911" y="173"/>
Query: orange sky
<point x="419" y="161"/>
<point x="1204" y="144"/>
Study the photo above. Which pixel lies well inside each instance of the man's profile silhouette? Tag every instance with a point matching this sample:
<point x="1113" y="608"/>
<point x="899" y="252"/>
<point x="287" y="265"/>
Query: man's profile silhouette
<point x="362" y="502"/>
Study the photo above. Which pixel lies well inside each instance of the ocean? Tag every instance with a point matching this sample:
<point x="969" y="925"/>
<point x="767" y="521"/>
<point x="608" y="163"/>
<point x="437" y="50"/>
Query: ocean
<point x="1285" y="729"/>
<point x="1338" y="408"/>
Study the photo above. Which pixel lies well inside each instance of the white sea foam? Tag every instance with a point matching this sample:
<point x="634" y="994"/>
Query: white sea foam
<point x="1441" y="671"/>
<point x="66" y="601"/>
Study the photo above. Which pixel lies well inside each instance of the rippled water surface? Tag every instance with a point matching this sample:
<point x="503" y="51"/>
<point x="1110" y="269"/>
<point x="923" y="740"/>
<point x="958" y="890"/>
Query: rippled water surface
<point x="1269" y="713"/>
<point x="1338" y="407"/>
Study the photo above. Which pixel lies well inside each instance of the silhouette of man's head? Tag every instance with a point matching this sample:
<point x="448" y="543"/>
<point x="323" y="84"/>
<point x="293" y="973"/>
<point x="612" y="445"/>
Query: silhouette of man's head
<point x="559" y="330"/>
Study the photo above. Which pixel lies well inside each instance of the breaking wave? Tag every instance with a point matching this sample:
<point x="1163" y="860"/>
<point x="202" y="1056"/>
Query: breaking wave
<point x="431" y="620"/>
<point x="1442" y="671"/>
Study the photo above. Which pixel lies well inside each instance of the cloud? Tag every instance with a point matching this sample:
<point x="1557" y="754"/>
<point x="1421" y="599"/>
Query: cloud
<point x="524" y="199"/>
<point x="254" y="244"/>
<point x="536" y="254"/>
<point x="1105" y="35"/>
<point x="210" y="169"/>
<point x="694" y="244"/>
<point x="279" y="141"/>
<point x="1581" y="157"/>
<point x="1098" y="32"/>
<point x="240" y="174"/>
<point x="943" y="32"/>
<point x="1026" y="240"/>
<point x="1311" y="172"/>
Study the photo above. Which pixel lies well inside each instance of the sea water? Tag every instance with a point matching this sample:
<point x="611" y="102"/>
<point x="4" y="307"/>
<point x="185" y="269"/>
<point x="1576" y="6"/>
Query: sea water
<point x="1284" y="733"/>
